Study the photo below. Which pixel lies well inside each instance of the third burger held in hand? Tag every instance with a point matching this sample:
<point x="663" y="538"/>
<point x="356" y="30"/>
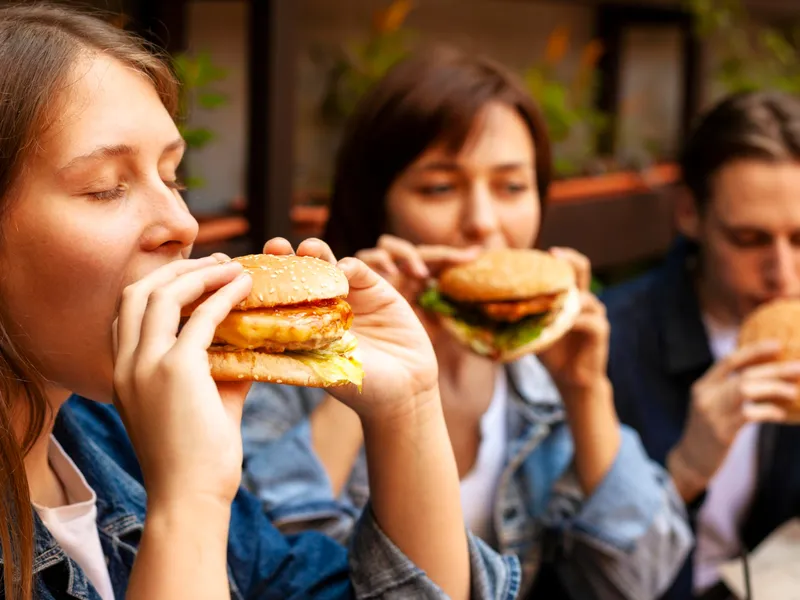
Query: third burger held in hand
<point x="507" y="303"/>
<point x="778" y="320"/>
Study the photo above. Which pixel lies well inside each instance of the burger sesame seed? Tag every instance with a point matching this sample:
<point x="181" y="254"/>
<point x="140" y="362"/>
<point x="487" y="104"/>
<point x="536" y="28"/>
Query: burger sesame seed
<point x="240" y="376"/>
<point x="303" y="279"/>
<point x="294" y="278"/>
<point x="273" y="276"/>
<point x="261" y="297"/>
<point x="272" y="291"/>
<point x="279" y="381"/>
<point x="295" y="287"/>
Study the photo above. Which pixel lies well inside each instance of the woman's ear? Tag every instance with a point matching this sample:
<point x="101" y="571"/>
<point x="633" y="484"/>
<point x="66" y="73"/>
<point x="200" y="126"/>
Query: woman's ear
<point x="687" y="214"/>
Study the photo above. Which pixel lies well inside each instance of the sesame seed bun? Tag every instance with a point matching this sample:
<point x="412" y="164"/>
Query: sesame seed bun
<point x="282" y="280"/>
<point x="507" y="274"/>
<point x="777" y="320"/>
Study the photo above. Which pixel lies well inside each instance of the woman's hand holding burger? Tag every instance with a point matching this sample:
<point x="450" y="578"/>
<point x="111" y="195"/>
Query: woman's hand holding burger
<point x="413" y="477"/>
<point x="184" y="426"/>
<point x="398" y="359"/>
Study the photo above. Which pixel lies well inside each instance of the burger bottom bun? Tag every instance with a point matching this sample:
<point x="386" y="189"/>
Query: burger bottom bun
<point x="249" y="365"/>
<point x="564" y="320"/>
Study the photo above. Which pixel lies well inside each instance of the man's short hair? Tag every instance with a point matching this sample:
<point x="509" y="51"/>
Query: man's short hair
<point x="762" y="126"/>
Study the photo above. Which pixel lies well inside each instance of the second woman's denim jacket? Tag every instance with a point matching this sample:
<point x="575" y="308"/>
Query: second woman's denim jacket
<point x="626" y="541"/>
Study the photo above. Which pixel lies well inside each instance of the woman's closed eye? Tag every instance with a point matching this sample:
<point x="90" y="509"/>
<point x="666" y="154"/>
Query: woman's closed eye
<point x="119" y="191"/>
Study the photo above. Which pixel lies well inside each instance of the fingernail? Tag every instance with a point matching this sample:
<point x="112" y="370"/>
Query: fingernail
<point x="221" y="257"/>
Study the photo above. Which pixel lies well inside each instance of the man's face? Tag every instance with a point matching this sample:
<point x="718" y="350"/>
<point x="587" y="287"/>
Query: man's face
<point x="750" y="237"/>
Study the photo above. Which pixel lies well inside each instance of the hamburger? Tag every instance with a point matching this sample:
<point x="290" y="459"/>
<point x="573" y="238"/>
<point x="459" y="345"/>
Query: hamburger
<point x="293" y="327"/>
<point x="506" y="303"/>
<point x="777" y="320"/>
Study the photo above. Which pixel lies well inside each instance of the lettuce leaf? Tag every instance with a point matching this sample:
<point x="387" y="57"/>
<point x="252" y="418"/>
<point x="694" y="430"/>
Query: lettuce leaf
<point x="523" y="333"/>
<point x="487" y="337"/>
<point x="336" y="364"/>
<point x="333" y="369"/>
<point x="432" y="301"/>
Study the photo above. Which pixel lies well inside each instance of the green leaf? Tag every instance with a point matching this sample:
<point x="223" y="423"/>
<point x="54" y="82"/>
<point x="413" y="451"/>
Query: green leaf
<point x="198" y="137"/>
<point x="521" y="333"/>
<point x="211" y="100"/>
<point x="432" y="301"/>
<point x="194" y="182"/>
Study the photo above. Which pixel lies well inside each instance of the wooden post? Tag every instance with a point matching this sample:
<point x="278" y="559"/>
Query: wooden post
<point x="271" y="132"/>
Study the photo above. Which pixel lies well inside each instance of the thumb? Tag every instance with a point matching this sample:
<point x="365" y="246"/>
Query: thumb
<point x="358" y="274"/>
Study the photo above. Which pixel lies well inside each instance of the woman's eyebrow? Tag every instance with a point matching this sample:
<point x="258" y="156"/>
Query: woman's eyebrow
<point x="105" y="152"/>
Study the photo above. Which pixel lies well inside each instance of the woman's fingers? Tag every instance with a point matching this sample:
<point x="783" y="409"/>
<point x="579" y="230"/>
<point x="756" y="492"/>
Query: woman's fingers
<point x="580" y="264"/>
<point x="379" y="260"/>
<point x="279" y="246"/>
<point x="358" y="274"/>
<point x="135" y="298"/>
<point x="421" y="262"/>
<point x="437" y="258"/>
<point x="405" y="256"/>
<point x="317" y="248"/>
<point x="163" y="313"/>
<point x="199" y="330"/>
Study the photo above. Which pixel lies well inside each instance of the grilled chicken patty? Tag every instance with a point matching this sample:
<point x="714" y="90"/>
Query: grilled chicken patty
<point x="299" y="327"/>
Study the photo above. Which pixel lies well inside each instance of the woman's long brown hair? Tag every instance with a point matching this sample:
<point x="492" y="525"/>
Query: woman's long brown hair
<point x="40" y="45"/>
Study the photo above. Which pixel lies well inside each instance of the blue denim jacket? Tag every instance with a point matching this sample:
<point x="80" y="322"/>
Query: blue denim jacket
<point x="625" y="541"/>
<point x="262" y="563"/>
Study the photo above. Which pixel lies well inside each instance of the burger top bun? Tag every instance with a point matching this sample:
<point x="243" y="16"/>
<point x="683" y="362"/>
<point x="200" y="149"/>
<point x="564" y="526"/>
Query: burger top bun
<point x="286" y="280"/>
<point x="290" y="279"/>
<point x="777" y="320"/>
<point x="507" y="274"/>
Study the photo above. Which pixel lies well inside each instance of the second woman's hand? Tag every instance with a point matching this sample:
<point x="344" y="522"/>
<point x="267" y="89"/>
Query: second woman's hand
<point x="579" y="359"/>
<point x="577" y="363"/>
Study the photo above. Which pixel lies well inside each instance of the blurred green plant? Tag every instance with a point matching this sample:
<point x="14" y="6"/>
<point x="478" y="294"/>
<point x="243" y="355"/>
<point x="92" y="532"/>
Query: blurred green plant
<point x="752" y="56"/>
<point x="197" y="75"/>
<point x="361" y="63"/>
<point x="568" y="106"/>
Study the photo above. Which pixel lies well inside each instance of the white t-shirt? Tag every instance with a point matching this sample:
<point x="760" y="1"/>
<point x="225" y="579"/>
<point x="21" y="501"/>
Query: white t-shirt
<point x="731" y="490"/>
<point x="479" y="486"/>
<point x="74" y="526"/>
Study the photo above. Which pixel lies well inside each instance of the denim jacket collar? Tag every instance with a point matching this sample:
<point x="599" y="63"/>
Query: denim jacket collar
<point x="120" y="501"/>
<point x="535" y="400"/>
